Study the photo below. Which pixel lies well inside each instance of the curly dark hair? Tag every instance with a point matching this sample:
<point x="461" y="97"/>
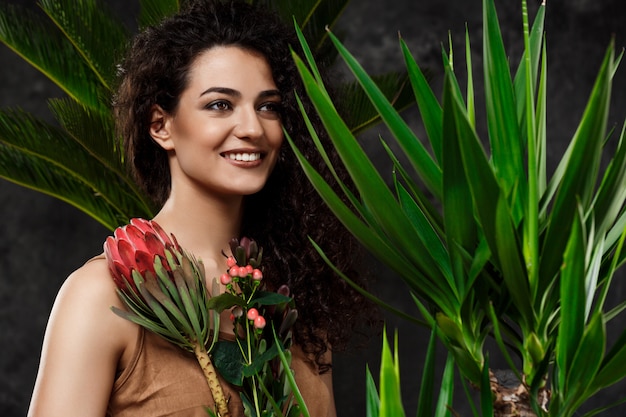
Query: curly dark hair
<point x="287" y="211"/>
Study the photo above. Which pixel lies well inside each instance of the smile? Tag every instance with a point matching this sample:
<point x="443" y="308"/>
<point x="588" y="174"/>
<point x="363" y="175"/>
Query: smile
<point x="243" y="156"/>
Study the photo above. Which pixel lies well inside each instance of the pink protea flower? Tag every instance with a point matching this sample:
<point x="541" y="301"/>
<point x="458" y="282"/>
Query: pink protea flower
<point x="164" y="288"/>
<point x="135" y="247"/>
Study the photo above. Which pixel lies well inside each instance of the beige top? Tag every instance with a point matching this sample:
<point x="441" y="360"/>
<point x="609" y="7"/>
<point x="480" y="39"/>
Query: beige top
<point x="165" y="380"/>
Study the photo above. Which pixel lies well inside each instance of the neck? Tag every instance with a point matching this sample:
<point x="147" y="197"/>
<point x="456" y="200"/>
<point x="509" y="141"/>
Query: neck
<point x="202" y="226"/>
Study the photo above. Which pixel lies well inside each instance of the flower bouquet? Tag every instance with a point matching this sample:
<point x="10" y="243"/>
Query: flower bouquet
<point x="262" y="322"/>
<point x="164" y="289"/>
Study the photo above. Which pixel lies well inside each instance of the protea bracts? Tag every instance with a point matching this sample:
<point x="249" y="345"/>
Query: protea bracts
<point x="164" y="289"/>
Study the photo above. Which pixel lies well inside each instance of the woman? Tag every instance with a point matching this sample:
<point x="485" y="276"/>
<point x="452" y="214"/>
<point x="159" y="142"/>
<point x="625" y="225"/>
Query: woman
<point x="202" y="104"/>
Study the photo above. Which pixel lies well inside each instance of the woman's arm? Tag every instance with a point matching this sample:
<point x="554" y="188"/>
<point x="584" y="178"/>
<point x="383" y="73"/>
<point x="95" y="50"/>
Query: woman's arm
<point x="83" y="346"/>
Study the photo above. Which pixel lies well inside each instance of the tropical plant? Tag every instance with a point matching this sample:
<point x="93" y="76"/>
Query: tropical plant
<point x="77" y="45"/>
<point x="487" y="242"/>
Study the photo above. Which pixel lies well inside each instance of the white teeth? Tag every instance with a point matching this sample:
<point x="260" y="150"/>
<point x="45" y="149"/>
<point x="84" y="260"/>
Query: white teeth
<point x="246" y="157"/>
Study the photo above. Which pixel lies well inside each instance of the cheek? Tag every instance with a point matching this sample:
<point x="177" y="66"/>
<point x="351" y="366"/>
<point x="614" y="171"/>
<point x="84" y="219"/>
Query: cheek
<point x="276" y="137"/>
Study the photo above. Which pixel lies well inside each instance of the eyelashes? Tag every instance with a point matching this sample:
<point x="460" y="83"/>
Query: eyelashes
<point x="225" y="106"/>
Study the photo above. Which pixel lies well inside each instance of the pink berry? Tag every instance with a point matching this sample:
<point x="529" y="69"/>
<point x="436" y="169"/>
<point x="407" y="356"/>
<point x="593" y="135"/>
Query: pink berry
<point x="253" y="313"/>
<point x="259" y="322"/>
<point x="234" y="271"/>
<point x="249" y="269"/>
<point x="232" y="317"/>
<point x="230" y="261"/>
<point x="257" y="274"/>
<point x="242" y="272"/>
<point x="225" y="279"/>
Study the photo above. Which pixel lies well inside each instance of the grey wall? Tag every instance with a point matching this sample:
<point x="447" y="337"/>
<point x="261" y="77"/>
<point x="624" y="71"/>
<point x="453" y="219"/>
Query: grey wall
<point x="42" y="239"/>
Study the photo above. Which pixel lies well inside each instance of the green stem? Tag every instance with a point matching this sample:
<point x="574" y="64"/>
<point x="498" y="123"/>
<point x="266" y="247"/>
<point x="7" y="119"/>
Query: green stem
<point x="249" y="360"/>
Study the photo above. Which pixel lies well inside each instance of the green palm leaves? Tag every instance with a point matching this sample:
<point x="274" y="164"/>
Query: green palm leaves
<point x="510" y="253"/>
<point x="78" y="161"/>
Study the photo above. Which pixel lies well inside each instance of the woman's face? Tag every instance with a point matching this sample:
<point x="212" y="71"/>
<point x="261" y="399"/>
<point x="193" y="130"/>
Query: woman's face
<point x="225" y="135"/>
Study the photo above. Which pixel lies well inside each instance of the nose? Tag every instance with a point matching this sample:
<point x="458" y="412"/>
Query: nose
<point x="248" y="124"/>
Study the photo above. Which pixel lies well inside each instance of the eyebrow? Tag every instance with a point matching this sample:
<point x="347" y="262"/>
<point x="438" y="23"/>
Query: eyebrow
<point x="234" y="93"/>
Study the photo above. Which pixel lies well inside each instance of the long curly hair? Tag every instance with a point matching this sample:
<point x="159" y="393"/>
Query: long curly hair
<point x="287" y="211"/>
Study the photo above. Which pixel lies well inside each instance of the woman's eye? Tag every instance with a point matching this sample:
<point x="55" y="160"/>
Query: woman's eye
<point x="218" y="105"/>
<point x="272" y="106"/>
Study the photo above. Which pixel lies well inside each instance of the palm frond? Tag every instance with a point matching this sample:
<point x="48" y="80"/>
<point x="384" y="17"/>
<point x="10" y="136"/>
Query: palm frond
<point x="313" y="16"/>
<point x="96" y="34"/>
<point x="37" y="174"/>
<point x="358" y="111"/>
<point x="44" y="46"/>
<point x="35" y="149"/>
<point x="153" y="11"/>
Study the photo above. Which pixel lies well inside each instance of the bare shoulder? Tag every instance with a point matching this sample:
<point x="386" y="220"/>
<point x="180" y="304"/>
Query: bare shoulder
<point x="82" y="327"/>
<point x="87" y="295"/>
<point x="90" y="280"/>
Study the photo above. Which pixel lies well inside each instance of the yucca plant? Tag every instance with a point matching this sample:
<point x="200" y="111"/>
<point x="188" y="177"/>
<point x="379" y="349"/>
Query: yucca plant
<point x="488" y="244"/>
<point x="77" y="45"/>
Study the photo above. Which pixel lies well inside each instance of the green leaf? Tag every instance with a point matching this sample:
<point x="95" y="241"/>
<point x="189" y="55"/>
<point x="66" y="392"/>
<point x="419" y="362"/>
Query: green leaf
<point x="512" y="263"/>
<point x="446" y="392"/>
<point x="586" y="362"/>
<point x="358" y="111"/>
<point x="421" y="161"/>
<point x="363" y="292"/>
<point x="372" y="401"/>
<point x="97" y="35"/>
<point x="38" y="174"/>
<point x="313" y="16"/>
<point x="428" y="236"/>
<point x="609" y="199"/>
<point x="573" y="297"/>
<point x="226" y="357"/>
<point x="612" y="369"/>
<point x="290" y="377"/>
<point x="269" y="298"/>
<point x="504" y="134"/>
<point x="390" y="397"/>
<point x="579" y="169"/>
<point x="429" y="107"/>
<point x="42" y="157"/>
<point x="375" y="243"/>
<point x="45" y="47"/>
<point x="224" y="301"/>
<point x="486" y="396"/>
<point x="153" y="11"/>
<point x="458" y="213"/>
<point x="425" y="400"/>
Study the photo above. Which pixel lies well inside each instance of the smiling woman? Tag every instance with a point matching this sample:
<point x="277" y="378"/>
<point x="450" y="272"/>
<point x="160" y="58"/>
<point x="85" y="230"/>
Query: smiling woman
<point x="202" y="103"/>
<point x="225" y="135"/>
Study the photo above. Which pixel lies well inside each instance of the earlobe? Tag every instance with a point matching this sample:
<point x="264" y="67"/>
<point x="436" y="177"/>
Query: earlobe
<point x="159" y="129"/>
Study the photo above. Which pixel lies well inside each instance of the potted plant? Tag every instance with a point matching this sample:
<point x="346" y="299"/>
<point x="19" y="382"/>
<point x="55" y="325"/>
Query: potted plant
<point x="489" y="244"/>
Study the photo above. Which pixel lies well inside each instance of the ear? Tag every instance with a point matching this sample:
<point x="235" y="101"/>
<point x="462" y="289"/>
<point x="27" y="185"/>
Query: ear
<point x="159" y="127"/>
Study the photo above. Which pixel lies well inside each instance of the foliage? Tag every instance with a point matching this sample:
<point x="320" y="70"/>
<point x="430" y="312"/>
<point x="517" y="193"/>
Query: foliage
<point x="501" y="248"/>
<point x="259" y="359"/>
<point x="77" y="44"/>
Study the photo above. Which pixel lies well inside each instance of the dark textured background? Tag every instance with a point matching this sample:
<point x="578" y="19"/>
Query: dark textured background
<point x="42" y="240"/>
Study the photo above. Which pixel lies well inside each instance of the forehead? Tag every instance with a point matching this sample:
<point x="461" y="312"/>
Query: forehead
<point x="228" y="66"/>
